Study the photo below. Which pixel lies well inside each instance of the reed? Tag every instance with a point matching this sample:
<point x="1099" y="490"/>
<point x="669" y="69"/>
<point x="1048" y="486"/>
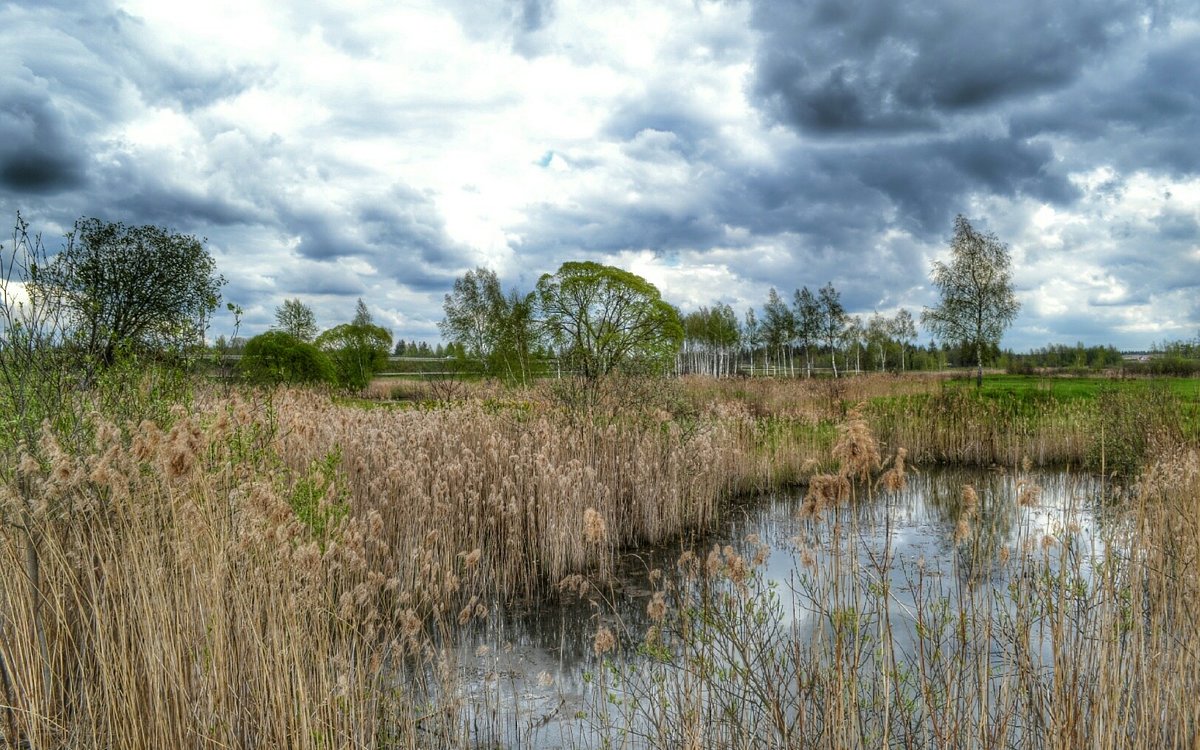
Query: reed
<point x="1070" y="653"/>
<point x="180" y="603"/>
<point x="279" y="570"/>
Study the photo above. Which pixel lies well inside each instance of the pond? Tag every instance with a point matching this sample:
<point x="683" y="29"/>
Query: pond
<point x="907" y="560"/>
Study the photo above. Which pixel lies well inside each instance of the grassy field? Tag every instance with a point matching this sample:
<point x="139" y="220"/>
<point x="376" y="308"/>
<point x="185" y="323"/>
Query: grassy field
<point x="207" y="566"/>
<point x="1075" y="388"/>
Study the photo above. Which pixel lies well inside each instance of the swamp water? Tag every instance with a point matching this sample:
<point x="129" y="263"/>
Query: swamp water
<point x="897" y="566"/>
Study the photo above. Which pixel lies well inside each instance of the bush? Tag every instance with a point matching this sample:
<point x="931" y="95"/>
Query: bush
<point x="357" y="351"/>
<point x="278" y="357"/>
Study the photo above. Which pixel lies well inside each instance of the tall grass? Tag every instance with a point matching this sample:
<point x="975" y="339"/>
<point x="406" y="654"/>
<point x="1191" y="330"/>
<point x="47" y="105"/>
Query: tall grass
<point x="182" y="603"/>
<point x="1101" y="426"/>
<point x="277" y="570"/>
<point x="513" y="484"/>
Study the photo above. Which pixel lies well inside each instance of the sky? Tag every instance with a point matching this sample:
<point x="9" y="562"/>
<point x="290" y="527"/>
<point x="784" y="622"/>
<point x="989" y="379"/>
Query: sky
<point x="337" y="150"/>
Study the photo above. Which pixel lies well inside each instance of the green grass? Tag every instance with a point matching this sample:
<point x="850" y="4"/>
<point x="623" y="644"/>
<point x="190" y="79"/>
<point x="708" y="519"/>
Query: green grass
<point x="1098" y="423"/>
<point x="1071" y="388"/>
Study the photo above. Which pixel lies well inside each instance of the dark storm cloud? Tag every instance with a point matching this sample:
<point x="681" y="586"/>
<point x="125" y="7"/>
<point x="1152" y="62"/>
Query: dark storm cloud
<point x="72" y="71"/>
<point x="38" y="153"/>
<point x="1072" y="327"/>
<point x="825" y="206"/>
<point x="563" y="233"/>
<point x="929" y="182"/>
<point x="856" y="66"/>
<point x="91" y="51"/>
<point x="869" y="124"/>
<point x="324" y="237"/>
<point x="1175" y="225"/>
<point x="1144" y="116"/>
<point x="664" y="108"/>
<point x="407" y="224"/>
<point x="534" y="14"/>
<point x="521" y="22"/>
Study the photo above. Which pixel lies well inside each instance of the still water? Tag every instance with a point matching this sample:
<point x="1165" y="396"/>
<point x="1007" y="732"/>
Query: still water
<point x="529" y="675"/>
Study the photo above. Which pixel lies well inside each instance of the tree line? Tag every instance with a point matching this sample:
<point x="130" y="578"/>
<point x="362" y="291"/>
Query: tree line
<point x="147" y="289"/>
<point x="597" y="318"/>
<point x="813" y="333"/>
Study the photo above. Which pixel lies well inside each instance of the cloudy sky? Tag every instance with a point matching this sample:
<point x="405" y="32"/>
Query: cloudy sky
<point x="336" y="150"/>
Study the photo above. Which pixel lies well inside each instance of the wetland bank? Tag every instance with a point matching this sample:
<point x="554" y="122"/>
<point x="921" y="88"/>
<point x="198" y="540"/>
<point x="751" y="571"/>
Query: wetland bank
<point x="692" y="563"/>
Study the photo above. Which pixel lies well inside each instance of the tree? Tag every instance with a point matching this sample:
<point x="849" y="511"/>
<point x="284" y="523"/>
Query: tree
<point x="710" y="341"/>
<point x="854" y="335"/>
<point x="778" y="327"/>
<point x="358" y="351"/>
<point x="362" y="316"/>
<point x="808" y="323"/>
<point x="493" y="328"/>
<point x="126" y="286"/>
<point x="832" y="319"/>
<point x="978" y="301"/>
<point x="751" y="335"/>
<point x="280" y="357"/>
<point x="603" y="318"/>
<point x="472" y="313"/>
<point x="904" y="330"/>
<point x="296" y="318"/>
<point x="517" y="338"/>
<point x="879" y="334"/>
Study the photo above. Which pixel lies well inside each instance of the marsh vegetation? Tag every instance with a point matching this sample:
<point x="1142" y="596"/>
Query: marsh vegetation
<point x="195" y="564"/>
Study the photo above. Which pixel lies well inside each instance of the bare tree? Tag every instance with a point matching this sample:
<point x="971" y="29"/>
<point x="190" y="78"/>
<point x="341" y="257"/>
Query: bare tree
<point x="978" y="301"/>
<point x="296" y="318"/>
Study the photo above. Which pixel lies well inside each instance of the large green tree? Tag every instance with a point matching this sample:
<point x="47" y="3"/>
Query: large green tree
<point x="131" y="286"/>
<point x="358" y="350"/>
<point x="603" y="318"/>
<point x="279" y="357"/>
<point x="977" y="297"/>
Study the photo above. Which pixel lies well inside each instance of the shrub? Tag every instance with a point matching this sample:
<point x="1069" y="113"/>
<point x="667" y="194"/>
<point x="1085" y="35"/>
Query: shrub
<point x="278" y="357"/>
<point x="357" y="351"/>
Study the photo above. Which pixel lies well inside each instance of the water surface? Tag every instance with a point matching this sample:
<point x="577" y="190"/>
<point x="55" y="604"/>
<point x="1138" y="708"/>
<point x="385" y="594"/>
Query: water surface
<point x="530" y="674"/>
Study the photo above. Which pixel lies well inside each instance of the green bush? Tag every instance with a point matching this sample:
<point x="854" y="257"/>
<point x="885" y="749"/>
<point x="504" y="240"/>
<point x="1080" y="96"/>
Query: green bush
<point x="278" y="357"/>
<point x="357" y="351"/>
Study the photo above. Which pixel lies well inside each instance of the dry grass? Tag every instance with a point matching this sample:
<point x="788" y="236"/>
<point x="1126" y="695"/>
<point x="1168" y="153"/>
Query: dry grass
<point x="520" y="486"/>
<point x="272" y="570"/>
<point x="180" y="602"/>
